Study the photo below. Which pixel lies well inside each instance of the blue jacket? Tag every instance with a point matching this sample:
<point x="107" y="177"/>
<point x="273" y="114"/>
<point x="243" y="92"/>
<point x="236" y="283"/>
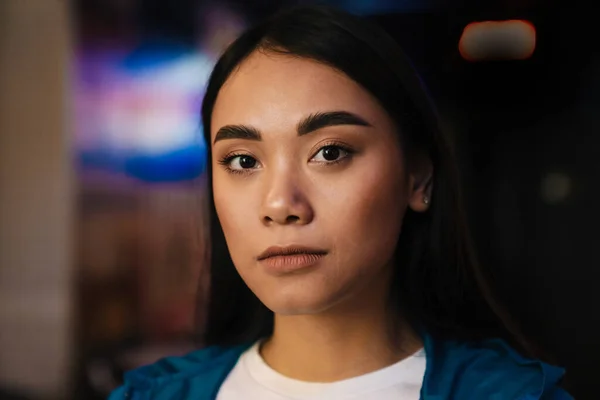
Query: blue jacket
<point x="454" y="370"/>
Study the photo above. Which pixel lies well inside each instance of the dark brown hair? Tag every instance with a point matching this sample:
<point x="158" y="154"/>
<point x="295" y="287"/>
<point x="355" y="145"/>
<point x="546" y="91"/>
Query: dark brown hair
<point x="437" y="282"/>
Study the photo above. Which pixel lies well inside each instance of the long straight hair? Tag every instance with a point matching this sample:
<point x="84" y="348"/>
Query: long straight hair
<point x="436" y="282"/>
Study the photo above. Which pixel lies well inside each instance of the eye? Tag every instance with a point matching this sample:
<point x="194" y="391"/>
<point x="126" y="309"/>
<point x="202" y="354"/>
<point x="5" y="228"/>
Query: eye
<point x="331" y="154"/>
<point x="242" y="162"/>
<point x="239" y="163"/>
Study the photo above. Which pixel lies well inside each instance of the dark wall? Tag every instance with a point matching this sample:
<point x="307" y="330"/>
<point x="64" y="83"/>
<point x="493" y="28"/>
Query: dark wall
<point x="528" y="135"/>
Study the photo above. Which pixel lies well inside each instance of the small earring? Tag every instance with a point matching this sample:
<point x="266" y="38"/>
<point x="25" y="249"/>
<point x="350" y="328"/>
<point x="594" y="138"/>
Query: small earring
<point x="425" y="200"/>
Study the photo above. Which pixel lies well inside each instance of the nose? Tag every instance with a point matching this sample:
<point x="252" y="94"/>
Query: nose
<point x="285" y="202"/>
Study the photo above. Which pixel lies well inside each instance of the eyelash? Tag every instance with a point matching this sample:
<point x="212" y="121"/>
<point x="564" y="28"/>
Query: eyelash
<point x="340" y="145"/>
<point x="226" y="162"/>
<point x="227" y="159"/>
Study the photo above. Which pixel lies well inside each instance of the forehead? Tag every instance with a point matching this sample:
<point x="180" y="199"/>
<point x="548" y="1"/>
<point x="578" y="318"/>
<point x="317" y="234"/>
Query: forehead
<point x="271" y="91"/>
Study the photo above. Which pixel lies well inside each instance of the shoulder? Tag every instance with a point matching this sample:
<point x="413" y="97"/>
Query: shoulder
<point x="196" y="375"/>
<point x="487" y="369"/>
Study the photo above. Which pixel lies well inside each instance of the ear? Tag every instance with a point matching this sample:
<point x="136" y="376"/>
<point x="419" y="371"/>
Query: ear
<point x="421" y="184"/>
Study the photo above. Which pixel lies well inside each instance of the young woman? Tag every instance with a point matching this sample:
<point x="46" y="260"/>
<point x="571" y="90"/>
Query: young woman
<point x="341" y="265"/>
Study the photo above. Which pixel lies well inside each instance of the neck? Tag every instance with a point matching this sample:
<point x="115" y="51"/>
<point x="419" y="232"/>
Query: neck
<point x="349" y="340"/>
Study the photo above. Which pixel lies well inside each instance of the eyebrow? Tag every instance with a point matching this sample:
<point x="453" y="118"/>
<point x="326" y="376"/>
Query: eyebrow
<point x="308" y="125"/>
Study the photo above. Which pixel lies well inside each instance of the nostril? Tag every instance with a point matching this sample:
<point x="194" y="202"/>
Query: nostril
<point x="291" y="219"/>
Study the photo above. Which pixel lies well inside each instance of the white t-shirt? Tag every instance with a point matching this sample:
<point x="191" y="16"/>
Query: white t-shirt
<point x="253" y="379"/>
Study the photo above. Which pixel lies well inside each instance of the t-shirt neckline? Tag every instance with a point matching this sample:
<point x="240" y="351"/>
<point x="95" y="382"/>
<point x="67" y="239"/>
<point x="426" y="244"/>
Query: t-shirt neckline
<point x="409" y="371"/>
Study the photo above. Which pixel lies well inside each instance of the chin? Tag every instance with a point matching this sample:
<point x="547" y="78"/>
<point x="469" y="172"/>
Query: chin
<point x="290" y="304"/>
<point x="306" y="294"/>
<point x="290" y="311"/>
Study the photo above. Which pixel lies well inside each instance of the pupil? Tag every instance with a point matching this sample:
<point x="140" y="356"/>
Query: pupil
<point x="247" y="162"/>
<point x="331" y="153"/>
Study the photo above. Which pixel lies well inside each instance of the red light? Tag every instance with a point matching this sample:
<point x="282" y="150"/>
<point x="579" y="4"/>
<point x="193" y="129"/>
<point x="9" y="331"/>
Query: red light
<point x="498" y="40"/>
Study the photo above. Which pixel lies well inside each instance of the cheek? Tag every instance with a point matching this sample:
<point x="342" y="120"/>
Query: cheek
<point x="369" y="214"/>
<point x="234" y="218"/>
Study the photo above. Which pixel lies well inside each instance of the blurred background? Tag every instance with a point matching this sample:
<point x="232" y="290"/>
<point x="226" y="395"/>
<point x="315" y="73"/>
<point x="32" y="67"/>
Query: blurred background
<point x="102" y="224"/>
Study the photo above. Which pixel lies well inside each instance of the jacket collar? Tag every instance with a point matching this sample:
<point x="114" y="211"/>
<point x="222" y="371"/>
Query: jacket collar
<point x="481" y="370"/>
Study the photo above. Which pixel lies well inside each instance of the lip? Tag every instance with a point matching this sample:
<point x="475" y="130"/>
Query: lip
<point x="279" y="260"/>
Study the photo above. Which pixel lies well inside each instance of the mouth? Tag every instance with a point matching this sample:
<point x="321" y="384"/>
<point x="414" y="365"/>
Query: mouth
<point x="284" y="260"/>
<point x="277" y="251"/>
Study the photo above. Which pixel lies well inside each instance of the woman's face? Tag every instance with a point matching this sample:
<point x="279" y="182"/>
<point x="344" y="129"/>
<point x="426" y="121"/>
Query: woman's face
<point x="306" y="161"/>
